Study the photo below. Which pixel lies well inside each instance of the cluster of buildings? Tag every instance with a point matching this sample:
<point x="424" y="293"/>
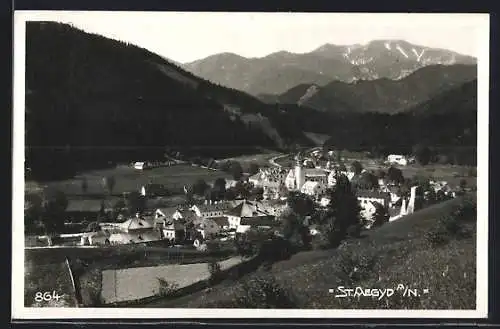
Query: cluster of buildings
<point x="315" y="182"/>
<point x="222" y="219"/>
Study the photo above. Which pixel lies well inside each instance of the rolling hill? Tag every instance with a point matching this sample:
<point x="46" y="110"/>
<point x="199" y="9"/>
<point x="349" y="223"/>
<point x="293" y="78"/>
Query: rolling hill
<point x="280" y="71"/>
<point x="91" y="100"/>
<point x="381" y="95"/>
<point x="447" y="121"/>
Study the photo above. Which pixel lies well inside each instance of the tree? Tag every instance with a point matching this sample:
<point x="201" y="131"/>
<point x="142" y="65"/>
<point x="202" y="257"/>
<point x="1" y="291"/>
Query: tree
<point x="293" y="229"/>
<point x="381" y="174"/>
<point x="366" y="181"/>
<point x="54" y="207"/>
<point x="253" y="168"/>
<point x="357" y="167"/>
<point x="33" y="210"/>
<point x="236" y="170"/>
<point x="135" y="203"/>
<point x="242" y="190"/>
<point x="200" y="187"/>
<point x="422" y="154"/>
<point x="220" y="188"/>
<point x="463" y="184"/>
<point x="343" y="210"/>
<point x="395" y="175"/>
<point x="230" y="194"/>
<point x="381" y="215"/>
<point x="342" y="167"/>
<point x="108" y="183"/>
<point x="85" y="185"/>
<point x="421" y="181"/>
<point x="102" y="212"/>
<point x="300" y="203"/>
<point x="258" y="193"/>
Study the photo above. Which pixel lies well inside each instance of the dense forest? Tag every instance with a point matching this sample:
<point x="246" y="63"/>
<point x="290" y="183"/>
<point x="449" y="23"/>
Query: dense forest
<point x="91" y="101"/>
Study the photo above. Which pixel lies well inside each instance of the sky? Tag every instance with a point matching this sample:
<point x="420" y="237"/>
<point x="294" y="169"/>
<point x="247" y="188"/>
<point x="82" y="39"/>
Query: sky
<point x="188" y="36"/>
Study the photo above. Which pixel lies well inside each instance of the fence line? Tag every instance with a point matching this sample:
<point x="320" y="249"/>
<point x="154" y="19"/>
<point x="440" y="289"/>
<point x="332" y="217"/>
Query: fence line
<point x="73" y="283"/>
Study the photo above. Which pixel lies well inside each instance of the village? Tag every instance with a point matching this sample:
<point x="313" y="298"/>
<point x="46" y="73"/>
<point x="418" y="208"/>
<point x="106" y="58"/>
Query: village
<point x="313" y="175"/>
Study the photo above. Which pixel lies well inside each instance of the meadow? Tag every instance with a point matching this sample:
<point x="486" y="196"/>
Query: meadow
<point x="128" y="179"/>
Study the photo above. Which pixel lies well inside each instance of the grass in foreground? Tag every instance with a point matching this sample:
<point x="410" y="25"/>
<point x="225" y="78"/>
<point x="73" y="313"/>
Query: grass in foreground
<point x="400" y="252"/>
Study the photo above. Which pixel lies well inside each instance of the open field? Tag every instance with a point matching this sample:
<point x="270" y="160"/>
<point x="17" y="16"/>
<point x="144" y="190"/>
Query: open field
<point x="129" y="179"/>
<point x="398" y="252"/>
<point x="137" y="283"/>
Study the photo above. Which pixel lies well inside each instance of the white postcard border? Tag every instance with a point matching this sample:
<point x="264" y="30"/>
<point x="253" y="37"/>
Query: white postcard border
<point x="481" y="21"/>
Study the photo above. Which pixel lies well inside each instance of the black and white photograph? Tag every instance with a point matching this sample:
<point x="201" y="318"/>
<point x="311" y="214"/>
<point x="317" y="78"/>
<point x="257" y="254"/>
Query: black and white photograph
<point x="246" y="164"/>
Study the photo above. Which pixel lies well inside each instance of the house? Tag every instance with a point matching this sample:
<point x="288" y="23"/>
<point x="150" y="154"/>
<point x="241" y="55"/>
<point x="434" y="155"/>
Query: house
<point x="212" y="226"/>
<point x="173" y="230"/>
<point x="95" y="238"/>
<point x="245" y="210"/>
<point x="210" y="209"/>
<point x="140" y="165"/>
<point x="134" y="237"/>
<point x="261" y="222"/>
<point x="324" y="202"/>
<point x="397" y="159"/>
<point x="369" y="202"/>
<point x="270" y="177"/>
<point x="153" y="190"/>
<point x="314" y="189"/>
<point x="136" y="224"/>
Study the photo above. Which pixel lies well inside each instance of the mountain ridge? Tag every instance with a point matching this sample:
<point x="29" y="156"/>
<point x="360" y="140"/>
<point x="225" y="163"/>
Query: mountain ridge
<point x="393" y="59"/>
<point x="380" y="95"/>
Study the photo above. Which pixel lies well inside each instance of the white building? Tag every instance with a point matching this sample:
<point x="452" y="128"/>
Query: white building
<point x="245" y="210"/>
<point x="370" y="200"/>
<point x="298" y="176"/>
<point x="397" y="159"/>
<point x="314" y="189"/>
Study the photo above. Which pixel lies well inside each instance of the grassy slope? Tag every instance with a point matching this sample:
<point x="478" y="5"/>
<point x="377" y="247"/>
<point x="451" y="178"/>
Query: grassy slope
<point x="400" y="253"/>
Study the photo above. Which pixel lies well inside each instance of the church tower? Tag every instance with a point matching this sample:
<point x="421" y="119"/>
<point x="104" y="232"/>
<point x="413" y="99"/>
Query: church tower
<point x="299" y="174"/>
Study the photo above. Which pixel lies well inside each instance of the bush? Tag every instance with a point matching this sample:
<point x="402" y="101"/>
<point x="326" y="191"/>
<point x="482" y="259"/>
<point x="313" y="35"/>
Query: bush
<point x="356" y="267"/>
<point x="264" y="292"/>
<point x="166" y="289"/>
<point x="215" y="271"/>
<point x="453" y="226"/>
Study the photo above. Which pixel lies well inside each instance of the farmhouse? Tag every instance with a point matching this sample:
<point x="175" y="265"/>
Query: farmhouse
<point x="211" y="210"/>
<point x="256" y="222"/>
<point x="95" y="238"/>
<point x="397" y="159"/>
<point x="211" y="226"/>
<point x="86" y="210"/>
<point x="245" y="210"/>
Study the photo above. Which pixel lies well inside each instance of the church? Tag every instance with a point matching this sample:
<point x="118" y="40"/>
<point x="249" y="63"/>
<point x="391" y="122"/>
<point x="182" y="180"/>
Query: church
<point x="298" y="176"/>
